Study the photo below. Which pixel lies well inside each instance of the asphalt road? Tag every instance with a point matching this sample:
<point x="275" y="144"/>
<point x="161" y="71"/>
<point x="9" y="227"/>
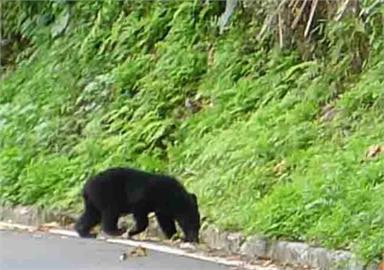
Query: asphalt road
<point x="23" y="250"/>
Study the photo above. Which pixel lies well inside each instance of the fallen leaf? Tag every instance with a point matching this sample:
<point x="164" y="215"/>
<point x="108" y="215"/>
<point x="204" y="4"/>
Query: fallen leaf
<point x="187" y="246"/>
<point x="266" y="263"/>
<point x="140" y="237"/>
<point x="52" y="224"/>
<point x="280" y="168"/>
<point x="234" y="258"/>
<point x="374" y="150"/>
<point x="66" y="221"/>
<point x="381" y="266"/>
<point x="138" y="251"/>
<point x="47" y="226"/>
<point x="177" y="241"/>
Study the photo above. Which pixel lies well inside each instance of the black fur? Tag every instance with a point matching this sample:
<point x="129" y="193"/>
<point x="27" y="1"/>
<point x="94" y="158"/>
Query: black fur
<point x="119" y="191"/>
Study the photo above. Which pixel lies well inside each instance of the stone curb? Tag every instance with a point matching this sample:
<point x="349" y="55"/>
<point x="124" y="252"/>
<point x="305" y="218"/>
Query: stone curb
<point x="252" y="247"/>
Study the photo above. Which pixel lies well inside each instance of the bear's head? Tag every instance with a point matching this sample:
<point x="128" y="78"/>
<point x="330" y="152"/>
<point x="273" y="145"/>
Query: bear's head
<point x="189" y="221"/>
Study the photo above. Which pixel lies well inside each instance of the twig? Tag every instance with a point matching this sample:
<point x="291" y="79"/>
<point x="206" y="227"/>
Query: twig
<point x="295" y="4"/>
<point x="266" y="24"/>
<point x="230" y="6"/>
<point x="281" y="42"/>
<point x="342" y="10"/>
<point x="313" y="9"/>
<point x="296" y="21"/>
<point x="269" y="18"/>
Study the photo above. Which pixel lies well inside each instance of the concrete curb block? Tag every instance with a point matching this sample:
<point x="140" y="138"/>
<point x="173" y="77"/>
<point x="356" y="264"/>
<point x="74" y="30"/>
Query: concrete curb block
<point x="252" y="247"/>
<point x="283" y="252"/>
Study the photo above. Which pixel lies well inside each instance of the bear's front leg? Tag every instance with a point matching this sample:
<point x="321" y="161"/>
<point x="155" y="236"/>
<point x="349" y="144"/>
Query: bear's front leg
<point x="109" y="220"/>
<point x="87" y="221"/>
<point x="167" y="224"/>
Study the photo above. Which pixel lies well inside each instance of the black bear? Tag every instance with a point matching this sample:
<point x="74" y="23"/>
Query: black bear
<point x="120" y="191"/>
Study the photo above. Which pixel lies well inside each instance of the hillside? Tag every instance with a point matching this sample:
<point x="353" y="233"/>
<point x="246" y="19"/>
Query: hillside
<point x="280" y="140"/>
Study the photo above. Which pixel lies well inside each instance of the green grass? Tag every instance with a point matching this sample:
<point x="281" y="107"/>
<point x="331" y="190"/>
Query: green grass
<point x="111" y="91"/>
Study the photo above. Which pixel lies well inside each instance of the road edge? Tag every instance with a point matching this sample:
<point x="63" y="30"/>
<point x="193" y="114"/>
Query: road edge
<point x="147" y="245"/>
<point x="231" y="244"/>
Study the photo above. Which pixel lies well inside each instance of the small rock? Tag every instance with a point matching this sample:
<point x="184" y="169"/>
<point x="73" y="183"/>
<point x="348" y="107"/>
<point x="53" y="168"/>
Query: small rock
<point x="254" y="246"/>
<point x="23" y="211"/>
<point x="214" y="238"/>
<point x="234" y="242"/>
<point x="123" y="257"/>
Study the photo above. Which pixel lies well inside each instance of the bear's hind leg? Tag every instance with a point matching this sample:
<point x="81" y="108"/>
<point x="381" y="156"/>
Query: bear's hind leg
<point x="166" y="224"/>
<point x="141" y="223"/>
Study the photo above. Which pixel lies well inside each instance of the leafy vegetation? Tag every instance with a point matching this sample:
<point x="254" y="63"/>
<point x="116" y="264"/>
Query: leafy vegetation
<point x="271" y="140"/>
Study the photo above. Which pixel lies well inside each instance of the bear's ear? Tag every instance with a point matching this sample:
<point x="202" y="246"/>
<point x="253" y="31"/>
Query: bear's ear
<point x="194" y="198"/>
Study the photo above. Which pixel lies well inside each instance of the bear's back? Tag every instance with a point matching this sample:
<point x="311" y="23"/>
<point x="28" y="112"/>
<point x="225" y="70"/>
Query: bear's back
<point x="127" y="187"/>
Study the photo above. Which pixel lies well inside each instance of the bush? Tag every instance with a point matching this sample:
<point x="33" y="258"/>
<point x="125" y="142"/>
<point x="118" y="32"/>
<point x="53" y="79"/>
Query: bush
<point x="270" y="143"/>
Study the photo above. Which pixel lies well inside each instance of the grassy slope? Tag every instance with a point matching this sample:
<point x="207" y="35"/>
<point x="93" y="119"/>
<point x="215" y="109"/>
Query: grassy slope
<point x="112" y="90"/>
